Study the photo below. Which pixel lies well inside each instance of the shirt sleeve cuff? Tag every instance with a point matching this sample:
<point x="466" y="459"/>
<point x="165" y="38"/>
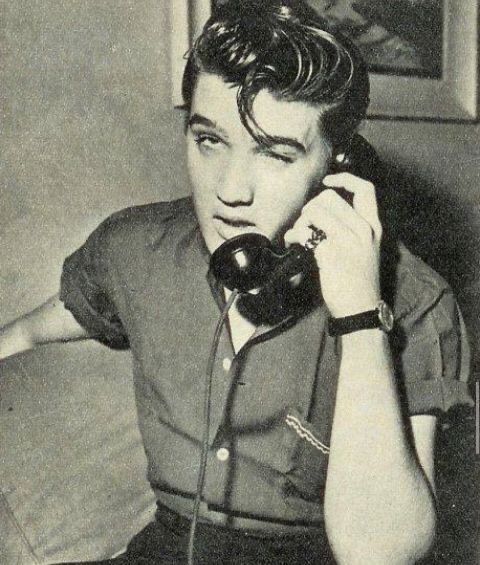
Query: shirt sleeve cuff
<point x="105" y="328"/>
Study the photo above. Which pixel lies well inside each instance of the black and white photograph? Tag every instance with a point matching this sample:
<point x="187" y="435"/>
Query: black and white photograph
<point x="240" y="282"/>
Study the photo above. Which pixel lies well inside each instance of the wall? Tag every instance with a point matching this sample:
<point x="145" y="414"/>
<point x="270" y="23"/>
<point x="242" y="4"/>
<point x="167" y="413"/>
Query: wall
<point x="87" y="128"/>
<point x="446" y="153"/>
<point x="436" y="192"/>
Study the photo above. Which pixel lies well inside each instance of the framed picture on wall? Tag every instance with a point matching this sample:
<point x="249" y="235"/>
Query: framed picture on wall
<point x="422" y="54"/>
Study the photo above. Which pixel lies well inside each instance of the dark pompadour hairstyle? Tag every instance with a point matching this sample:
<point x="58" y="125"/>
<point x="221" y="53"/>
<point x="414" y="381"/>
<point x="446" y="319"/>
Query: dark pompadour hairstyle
<point x="285" y="47"/>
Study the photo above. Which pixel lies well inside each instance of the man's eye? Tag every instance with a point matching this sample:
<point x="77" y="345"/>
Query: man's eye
<point x="207" y="141"/>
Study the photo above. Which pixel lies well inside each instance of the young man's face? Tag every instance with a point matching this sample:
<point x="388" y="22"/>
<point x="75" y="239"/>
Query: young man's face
<point x="240" y="186"/>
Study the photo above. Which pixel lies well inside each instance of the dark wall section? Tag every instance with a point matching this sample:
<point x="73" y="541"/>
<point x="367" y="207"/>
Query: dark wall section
<point x="434" y="192"/>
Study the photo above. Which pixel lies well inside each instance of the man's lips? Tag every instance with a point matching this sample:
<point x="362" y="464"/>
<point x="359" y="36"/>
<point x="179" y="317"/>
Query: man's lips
<point x="234" y="222"/>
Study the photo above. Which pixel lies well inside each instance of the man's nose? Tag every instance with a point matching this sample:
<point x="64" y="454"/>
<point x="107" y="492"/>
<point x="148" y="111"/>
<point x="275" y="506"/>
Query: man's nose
<point x="236" y="187"/>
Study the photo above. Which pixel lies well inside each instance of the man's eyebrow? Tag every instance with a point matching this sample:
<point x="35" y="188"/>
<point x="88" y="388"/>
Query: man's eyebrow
<point x="198" y="119"/>
<point x="272" y="141"/>
<point x="275" y="142"/>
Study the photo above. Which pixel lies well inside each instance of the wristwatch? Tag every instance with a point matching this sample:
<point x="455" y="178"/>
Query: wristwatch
<point x="381" y="317"/>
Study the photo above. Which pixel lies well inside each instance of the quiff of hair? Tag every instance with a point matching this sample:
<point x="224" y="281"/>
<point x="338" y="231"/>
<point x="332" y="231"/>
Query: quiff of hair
<point x="288" y="49"/>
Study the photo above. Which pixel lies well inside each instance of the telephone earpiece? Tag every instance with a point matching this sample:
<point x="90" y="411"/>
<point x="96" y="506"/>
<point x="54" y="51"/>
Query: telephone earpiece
<point x="339" y="160"/>
<point x="357" y="157"/>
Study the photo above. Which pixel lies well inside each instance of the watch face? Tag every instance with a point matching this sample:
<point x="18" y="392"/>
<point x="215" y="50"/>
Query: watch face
<point x="385" y="315"/>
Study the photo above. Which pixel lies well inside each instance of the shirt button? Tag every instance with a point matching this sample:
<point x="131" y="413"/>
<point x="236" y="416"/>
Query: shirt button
<point x="223" y="454"/>
<point x="226" y="364"/>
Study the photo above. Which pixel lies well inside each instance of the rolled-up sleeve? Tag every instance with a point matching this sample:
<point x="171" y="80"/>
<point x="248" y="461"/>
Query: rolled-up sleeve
<point x="86" y="289"/>
<point x="434" y="357"/>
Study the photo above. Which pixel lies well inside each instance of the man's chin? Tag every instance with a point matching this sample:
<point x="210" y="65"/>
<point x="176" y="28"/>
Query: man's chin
<point x="213" y="241"/>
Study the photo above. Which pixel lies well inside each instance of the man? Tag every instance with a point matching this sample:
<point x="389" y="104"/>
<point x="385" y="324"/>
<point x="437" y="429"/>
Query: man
<point x="273" y="100"/>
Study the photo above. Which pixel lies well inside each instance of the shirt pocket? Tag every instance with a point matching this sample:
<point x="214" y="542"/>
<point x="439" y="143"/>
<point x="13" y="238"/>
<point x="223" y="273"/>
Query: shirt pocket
<point x="308" y="458"/>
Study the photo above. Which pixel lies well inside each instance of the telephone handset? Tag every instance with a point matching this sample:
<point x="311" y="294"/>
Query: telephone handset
<point x="250" y="263"/>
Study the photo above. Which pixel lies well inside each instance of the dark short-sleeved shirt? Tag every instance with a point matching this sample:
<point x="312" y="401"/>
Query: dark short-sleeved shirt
<point x="141" y="281"/>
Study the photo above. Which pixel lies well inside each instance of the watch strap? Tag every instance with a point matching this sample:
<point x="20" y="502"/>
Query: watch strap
<point x="380" y="317"/>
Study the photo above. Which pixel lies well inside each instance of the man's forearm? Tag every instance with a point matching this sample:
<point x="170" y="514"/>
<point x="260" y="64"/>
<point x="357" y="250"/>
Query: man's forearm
<point x="379" y="505"/>
<point x="49" y="323"/>
<point x="14" y="339"/>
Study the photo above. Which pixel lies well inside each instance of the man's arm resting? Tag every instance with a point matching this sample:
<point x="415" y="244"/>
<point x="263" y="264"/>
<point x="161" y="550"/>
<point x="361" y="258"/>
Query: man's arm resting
<point x="49" y="323"/>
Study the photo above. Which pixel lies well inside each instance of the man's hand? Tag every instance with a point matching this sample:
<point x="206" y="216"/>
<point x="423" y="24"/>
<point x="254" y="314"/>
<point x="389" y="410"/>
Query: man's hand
<point x="348" y="260"/>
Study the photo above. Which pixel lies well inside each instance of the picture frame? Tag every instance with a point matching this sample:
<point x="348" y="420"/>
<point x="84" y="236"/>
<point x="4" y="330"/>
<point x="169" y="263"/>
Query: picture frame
<point x="452" y="96"/>
<point x="186" y="20"/>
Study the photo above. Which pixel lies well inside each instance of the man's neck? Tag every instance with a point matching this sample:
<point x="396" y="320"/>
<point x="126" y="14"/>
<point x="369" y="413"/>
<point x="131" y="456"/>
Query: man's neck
<point x="241" y="329"/>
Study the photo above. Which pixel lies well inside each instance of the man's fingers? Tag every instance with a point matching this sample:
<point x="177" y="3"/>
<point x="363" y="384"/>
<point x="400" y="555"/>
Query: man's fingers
<point x="297" y="234"/>
<point x="331" y="207"/>
<point x="364" y="197"/>
<point x="321" y="216"/>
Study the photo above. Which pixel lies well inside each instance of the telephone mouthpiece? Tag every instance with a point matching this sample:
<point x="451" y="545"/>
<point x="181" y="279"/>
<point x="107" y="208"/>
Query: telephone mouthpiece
<point x="239" y="263"/>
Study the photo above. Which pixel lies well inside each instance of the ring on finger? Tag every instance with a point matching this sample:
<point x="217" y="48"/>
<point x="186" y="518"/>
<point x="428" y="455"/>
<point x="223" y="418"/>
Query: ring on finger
<point x="317" y="236"/>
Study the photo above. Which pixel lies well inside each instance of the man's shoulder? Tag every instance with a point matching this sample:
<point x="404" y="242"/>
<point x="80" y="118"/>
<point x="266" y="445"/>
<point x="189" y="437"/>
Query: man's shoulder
<point x="418" y="286"/>
<point x="154" y="214"/>
<point x="147" y="223"/>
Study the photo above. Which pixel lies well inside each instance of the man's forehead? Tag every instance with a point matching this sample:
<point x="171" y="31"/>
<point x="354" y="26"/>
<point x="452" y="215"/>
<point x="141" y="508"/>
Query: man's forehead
<point x="217" y="100"/>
